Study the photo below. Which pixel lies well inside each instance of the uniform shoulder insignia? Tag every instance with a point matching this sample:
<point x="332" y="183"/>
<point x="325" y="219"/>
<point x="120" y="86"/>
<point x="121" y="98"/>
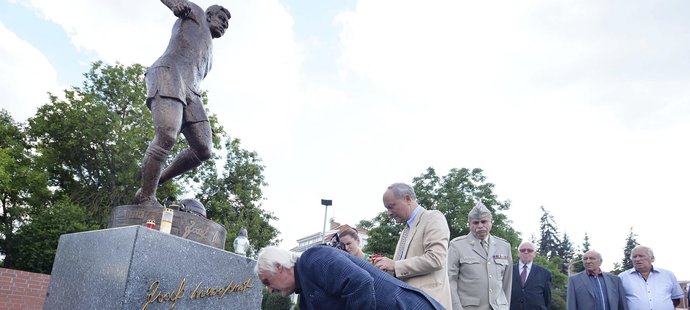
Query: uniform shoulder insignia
<point x="500" y="239"/>
<point x="459" y="238"/>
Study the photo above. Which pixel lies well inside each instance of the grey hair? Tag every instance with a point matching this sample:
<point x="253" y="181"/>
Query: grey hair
<point x="647" y="249"/>
<point x="271" y="256"/>
<point x="534" y="247"/>
<point x="401" y="189"/>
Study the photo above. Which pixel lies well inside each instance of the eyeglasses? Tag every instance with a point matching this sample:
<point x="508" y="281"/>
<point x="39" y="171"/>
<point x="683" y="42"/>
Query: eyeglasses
<point x="526" y="250"/>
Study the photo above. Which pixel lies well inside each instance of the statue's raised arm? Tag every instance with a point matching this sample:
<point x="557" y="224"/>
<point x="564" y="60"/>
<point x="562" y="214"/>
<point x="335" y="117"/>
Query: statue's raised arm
<point x="180" y="8"/>
<point x="174" y="96"/>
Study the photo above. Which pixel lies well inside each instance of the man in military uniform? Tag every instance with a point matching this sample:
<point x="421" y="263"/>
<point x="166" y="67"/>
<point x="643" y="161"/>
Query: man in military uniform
<point x="480" y="266"/>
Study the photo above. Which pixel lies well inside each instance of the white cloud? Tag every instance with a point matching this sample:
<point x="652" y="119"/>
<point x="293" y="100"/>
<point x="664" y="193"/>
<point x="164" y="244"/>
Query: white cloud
<point x="455" y="52"/>
<point x="565" y="105"/>
<point x="124" y="31"/>
<point x="27" y="76"/>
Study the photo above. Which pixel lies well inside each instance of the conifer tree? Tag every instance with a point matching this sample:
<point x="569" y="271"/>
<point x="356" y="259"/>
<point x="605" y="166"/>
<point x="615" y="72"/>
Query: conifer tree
<point x="576" y="262"/>
<point x="549" y="242"/>
<point x="630" y="244"/>
<point x="585" y="243"/>
<point x="566" y="252"/>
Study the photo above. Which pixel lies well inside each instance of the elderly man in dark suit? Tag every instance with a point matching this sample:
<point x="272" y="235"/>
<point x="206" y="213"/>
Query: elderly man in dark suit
<point x="593" y="289"/>
<point x="327" y="278"/>
<point x="531" y="282"/>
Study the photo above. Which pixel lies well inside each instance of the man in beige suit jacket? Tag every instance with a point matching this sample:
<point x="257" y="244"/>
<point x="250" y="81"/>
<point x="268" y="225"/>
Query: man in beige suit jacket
<point x="421" y="255"/>
<point x="480" y="266"/>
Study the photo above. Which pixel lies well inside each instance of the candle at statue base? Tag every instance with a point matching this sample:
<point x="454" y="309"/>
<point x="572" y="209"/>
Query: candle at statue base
<point x="151" y="224"/>
<point x="166" y="220"/>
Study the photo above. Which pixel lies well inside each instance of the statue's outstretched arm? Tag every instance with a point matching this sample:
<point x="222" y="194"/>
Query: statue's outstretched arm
<point x="180" y="8"/>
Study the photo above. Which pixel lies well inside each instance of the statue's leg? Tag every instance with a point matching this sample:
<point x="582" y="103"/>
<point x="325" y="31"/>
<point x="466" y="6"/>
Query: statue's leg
<point x="198" y="136"/>
<point x="167" y="119"/>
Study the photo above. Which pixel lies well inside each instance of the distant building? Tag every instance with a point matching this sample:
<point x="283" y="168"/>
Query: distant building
<point x="317" y="239"/>
<point x="684" y="302"/>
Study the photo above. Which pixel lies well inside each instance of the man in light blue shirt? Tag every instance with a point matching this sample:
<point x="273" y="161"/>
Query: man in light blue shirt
<point x="647" y="287"/>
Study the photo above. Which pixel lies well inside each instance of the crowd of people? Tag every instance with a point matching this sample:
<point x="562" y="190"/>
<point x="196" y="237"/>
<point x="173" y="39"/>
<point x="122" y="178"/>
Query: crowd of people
<point x="474" y="271"/>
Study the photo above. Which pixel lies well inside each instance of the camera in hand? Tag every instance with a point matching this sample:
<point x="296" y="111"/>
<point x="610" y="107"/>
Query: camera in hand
<point x="335" y="243"/>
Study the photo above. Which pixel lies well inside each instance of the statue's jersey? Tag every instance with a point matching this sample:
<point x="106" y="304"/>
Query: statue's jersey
<point x="185" y="62"/>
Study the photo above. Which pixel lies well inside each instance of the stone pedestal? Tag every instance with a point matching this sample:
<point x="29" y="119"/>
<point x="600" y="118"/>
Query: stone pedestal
<point x="185" y="225"/>
<point x="139" y="268"/>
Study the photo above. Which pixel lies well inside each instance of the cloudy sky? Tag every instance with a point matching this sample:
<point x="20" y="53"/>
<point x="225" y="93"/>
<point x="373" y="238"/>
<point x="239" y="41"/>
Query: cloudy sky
<point x="578" y="106"/>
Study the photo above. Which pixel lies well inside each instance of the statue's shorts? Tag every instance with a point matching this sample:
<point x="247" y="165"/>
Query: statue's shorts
<point x="165" y="82"/>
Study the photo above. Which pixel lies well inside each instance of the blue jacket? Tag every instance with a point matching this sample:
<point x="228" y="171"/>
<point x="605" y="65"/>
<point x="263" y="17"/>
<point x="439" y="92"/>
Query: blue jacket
<point x="327" y="278"/>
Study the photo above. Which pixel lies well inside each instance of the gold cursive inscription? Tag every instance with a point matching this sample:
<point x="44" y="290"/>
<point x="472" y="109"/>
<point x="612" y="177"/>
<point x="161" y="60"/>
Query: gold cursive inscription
<point x="155" y="294"/>
<point x="220" y="291"/>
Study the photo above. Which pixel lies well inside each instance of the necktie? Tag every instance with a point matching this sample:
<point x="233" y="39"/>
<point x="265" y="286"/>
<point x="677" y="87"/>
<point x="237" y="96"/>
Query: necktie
<point x="403" y="242"/>
<point x="523" y="275"/>
<point x="485" y="245"/>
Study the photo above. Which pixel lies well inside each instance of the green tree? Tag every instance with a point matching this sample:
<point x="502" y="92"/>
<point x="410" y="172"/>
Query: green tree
<point x="576" y="262"/>
<point x="92" y="142"/>
<point x="586" y="244"/>
<point x="383" y="235"/>
<point x="37" y="240"/>
<point x="626" y="262"/>
<point x="566" y="252"/>
<point x="275" y="301"/>
<point x="23" y="187"/>
<point x="558" y="281"/>
<point x="233" y="197"/>
<point x="88" y="146"/>
<point x="456" y="193"/>
<point x="549" y="242"/>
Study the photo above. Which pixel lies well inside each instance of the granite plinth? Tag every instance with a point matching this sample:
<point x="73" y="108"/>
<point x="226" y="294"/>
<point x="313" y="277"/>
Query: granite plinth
<point x="185" y="225"/>
<point x="139" y="268"/>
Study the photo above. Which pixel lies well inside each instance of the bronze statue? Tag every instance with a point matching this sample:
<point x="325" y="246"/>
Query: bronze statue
<point x="174" y="97"/>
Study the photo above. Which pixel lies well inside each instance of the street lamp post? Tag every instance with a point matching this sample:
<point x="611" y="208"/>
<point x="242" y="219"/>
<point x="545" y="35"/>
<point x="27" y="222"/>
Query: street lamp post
<point x="326" y="203"/>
